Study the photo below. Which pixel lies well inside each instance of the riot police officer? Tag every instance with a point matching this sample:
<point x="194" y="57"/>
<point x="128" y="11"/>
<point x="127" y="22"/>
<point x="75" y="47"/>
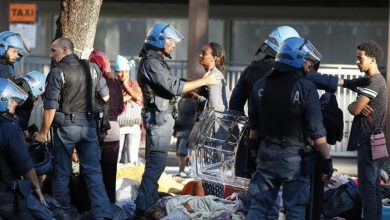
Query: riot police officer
<point x="284" y="109"/>
<point x="73" y="87"/>
<point x="160" y="89"/>
<point x="241" y="92"/>
<point x="258" y="69"/>
<point x="15" y="161"/>
<point x="33" y="83"/>
<point x="12" y="49"/>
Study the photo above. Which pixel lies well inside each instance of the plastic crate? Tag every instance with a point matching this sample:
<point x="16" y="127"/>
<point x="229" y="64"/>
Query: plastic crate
<point x="213" y="142"/>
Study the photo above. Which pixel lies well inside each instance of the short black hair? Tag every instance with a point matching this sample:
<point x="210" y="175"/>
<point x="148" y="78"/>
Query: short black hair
<point x="65" y="42"/>
<point x="372" y="49"/>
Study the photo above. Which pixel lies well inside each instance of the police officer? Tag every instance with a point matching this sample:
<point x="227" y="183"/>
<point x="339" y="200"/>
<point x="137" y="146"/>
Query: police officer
<point x="258" y="69"/>
<point x="69" y="103"/>
<point x="15" y="160"/>
<point x="12" y="49"/>
<point x="33" y="83"/>
<point x="283" y="110"/>
<point x="241" y="92"/>
<point x="160" y="89"/>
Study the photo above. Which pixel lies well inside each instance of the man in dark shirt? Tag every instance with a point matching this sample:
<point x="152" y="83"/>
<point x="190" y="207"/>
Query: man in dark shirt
<point x="371" y="104"/>
<point x="68" y="102"/>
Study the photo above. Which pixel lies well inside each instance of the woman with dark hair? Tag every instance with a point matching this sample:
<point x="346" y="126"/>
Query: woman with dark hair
<point x="110" y="144"/>
<point x="212" y="58"/>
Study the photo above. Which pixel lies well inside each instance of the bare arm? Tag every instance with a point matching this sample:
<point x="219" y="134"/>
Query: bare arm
<point x="252" y="134"/>
<point x="127" y="98"/>
<point x="48" y="116"/>
<point x="134" y="92"/>
<point x="31" y="175"/>
<point x="356" y="107"/>
<point x="204" y="81"/>
<point x="322" y="147"/>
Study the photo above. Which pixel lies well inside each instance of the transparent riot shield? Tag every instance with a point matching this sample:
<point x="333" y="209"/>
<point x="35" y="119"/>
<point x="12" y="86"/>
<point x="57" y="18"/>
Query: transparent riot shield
<point x="213" y="143"/>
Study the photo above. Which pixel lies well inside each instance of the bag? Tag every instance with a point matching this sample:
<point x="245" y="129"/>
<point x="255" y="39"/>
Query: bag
<point x="378" y="141"/>
<point x="343" y="201"/>
<point x="131" y="115"/>
<point x="333" y="118"/>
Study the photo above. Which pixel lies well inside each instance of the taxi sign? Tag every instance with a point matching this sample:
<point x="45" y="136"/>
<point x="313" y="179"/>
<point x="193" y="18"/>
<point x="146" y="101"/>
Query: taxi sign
<point x="24" y="13"/>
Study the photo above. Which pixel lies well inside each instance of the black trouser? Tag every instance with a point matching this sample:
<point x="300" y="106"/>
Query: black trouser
<point x="314" y="208"/>
<point x="245" y="166"/>
<point x="11" y="207"/>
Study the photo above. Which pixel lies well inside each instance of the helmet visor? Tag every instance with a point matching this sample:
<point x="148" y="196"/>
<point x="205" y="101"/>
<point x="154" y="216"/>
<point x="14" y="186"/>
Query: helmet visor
<point x="9" y="90"/>
<point x="171" y="33"/>
<point x="311" y="53"/>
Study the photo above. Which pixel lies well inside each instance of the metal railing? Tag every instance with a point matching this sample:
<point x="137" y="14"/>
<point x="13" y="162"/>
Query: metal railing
<point x="179" y="68"/>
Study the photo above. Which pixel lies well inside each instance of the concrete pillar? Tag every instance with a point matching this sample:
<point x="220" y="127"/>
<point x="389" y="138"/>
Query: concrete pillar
<point x="4" y="9"/>
<point x="388" y="85"/>
<point x="198" y="18"/>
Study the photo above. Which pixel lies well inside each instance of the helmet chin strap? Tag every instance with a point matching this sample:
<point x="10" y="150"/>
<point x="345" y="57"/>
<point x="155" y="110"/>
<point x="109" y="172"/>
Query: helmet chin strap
<point x="167" y="54"/>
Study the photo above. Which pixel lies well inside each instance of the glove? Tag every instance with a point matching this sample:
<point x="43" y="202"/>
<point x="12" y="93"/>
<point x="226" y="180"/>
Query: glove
<point x="352" y="84"/>
<point x="328" y="168"/>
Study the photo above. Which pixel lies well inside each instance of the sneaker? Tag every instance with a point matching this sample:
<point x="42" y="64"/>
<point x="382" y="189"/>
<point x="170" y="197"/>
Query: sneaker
<point x="182" y="174"/>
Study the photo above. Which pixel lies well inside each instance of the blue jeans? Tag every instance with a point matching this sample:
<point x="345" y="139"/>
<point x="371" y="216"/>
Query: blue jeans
<point x="369" y="182"/>
<point x="159" y="129"/>
<point x="84" y="138"/>
<point x="266" y="183"/>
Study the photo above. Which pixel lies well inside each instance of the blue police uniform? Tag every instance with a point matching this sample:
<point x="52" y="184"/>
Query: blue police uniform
<point x="77" y="129"/>
<point x="159" y="88"/>
<point x="14" y="162"/>
<point x="241" y="92"/>
<point x="7" y="71"/>
<point x="323" y="81"/>
<point x="279" y="160"/>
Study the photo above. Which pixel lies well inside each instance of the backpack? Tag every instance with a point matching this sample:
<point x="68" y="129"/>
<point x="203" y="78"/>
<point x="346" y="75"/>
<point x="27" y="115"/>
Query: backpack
<point x="344" y="201"/>
<point x="332" y="117"/>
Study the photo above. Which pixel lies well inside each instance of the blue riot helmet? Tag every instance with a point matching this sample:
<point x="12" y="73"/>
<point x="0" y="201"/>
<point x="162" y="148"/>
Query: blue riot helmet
<point x="8" y="91"/>
<point x="159" y="32"/>
<point x="295" y="50"/>
<point x="274" y="40"/>
<point x="11" y="39"/>
<point x="32" y="83"/>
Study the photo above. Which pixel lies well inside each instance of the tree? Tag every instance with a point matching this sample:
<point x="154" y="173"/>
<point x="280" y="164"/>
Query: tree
<point x="77" y="21"/>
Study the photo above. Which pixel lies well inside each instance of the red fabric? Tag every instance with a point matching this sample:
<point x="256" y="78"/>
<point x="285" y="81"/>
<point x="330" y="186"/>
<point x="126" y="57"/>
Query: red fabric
<point x="101" y="60"/>
<point x="229" y="190"/>
<point x="193" y="188"/>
